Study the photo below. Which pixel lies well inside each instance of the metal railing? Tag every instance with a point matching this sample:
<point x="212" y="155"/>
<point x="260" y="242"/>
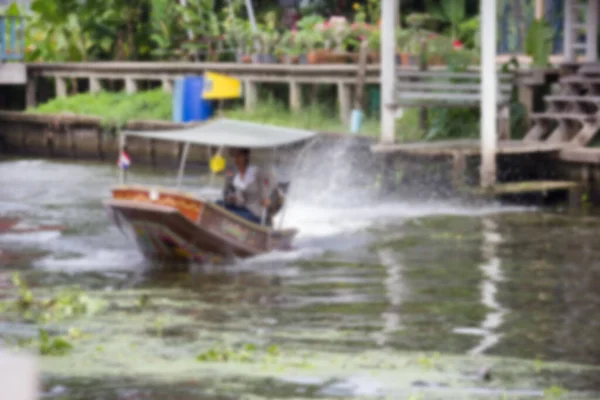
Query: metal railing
<point x="12" y="40"/>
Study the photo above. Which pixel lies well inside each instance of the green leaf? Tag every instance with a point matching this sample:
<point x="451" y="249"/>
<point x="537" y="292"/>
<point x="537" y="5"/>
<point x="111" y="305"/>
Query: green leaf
<point x="13" y="10"/>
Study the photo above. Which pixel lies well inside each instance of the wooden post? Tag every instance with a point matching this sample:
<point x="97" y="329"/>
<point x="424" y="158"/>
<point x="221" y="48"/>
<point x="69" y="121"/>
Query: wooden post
<point x="361" y="74"/>
<point x="95" y="85"/>
<point x="167" y="85"/>
<point x="389" y="21"/>
<point x="459" y="170"/>
<point x="423" y="123"/>
<point x="101" y="142"/>
<point x="186" y="150"/>
<point x="295" y="96"/>
<point x="344" y="98"/>
<point x="489" y="93"/>
<point x="526" y="98"/>
<point x="31" y="92"/>
<point x="130" y="85"/>
<point x="591" y="34"/>
<point x="61" y="86"/>
<point x="504" y="122"/>
<point x="250" y="95"/>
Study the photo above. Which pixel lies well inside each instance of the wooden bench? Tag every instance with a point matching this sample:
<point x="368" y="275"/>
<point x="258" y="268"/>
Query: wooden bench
<point x="417" y="88"/>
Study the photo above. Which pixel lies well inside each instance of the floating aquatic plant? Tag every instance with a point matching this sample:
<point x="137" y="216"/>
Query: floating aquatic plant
<point x="65" y="304"/>
<point x="244" y="353"/>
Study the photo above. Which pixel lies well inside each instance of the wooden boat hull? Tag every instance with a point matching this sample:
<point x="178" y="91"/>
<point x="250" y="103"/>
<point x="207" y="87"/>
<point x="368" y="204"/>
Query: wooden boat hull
<point x="172" y="225"/>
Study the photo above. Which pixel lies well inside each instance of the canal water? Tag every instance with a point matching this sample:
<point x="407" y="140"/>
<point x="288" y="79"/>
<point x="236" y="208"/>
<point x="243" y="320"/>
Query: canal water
<point x="379" y="299"/>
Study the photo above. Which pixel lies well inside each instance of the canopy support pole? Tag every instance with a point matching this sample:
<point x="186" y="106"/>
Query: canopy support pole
<point x="122" y="138"/>
<point x="186" y="149"/>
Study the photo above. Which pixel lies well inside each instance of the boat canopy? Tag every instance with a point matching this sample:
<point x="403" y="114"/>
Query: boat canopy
<point x="230" y="133"/>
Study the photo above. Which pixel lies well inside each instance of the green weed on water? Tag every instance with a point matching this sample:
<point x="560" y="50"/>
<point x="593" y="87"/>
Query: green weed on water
<point x="65" y="304"/>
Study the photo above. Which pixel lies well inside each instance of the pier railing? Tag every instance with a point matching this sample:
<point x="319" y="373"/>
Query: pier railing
<point x="12" y="42"/>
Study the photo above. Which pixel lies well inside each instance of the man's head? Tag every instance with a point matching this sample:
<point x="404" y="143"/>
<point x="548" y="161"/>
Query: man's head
<point x="241" y="157"/>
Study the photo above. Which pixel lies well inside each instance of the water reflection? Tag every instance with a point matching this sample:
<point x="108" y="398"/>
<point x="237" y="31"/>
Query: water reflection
<point x="393" y="292"/>
<point x="492" y="274"/>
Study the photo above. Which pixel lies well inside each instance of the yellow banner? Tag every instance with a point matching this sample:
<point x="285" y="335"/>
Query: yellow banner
<point x="217" y="86"/>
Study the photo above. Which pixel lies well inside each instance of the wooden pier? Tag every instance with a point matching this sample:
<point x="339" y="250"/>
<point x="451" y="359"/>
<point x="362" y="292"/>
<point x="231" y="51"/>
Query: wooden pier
<point x="342" y="76"/>
<point x="558" y="153"/>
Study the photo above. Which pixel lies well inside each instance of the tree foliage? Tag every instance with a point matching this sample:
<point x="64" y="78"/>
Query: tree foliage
<point x="85" y="30"/>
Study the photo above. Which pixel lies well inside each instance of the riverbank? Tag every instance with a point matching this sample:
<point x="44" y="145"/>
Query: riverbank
<point x="86" y="126"/>
<point x="70" y="136"/>
<point x="116" y="109"/>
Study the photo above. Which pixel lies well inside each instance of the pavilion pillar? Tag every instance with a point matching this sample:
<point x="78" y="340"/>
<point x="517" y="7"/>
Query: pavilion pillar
<point x="591" y="35"/>
<point x="568" y="49"/>
<point x="489" y="83"/>
<point x="540" y="6"/>
<point x="389" y="21"/>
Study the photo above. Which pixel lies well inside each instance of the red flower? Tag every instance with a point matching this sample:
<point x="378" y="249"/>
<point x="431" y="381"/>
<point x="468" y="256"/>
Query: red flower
<point x="457" y="45"/>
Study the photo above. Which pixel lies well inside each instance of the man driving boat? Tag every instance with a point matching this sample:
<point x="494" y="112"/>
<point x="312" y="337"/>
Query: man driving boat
<point x="251" y="191"/>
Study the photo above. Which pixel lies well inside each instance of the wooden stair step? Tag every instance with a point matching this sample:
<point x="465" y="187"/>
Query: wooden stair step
<point x="572" y="98"/>
<point x="580" y="79"/>
<point x="562" y="116"/>
<point x="592" y="68"/>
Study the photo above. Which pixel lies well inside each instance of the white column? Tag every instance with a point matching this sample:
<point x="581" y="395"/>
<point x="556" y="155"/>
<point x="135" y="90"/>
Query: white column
<point x="591" y="34"/>
<point x="539" y="9"/>
<point x="489" y="83"/>
<point x="568" y="50"/>
<point x="389" y="18"/>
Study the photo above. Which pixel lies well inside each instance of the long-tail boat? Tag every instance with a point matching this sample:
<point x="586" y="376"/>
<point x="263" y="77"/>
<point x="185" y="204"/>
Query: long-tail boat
<point x="168" y="223"/>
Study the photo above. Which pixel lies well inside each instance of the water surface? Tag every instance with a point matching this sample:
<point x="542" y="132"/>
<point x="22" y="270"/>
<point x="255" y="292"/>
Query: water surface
<point x="394" y="299"/>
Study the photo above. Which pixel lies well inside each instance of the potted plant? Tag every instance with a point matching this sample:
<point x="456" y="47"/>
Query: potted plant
<point x="358" y="32"/>
<point x="418" y="21"/>
<point x="403" y="38"/>
<point x="237" y="35"/>
<point x="437" y="49"/>
<point x="291" y="47"/>
<point x="309" y="39"/>
<point x="334" y="32"/>
<point x="267" y="41"/>
<point x="374" y="45"/>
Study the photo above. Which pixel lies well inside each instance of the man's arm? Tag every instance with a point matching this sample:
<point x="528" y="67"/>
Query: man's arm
<point x="267" y="183"/>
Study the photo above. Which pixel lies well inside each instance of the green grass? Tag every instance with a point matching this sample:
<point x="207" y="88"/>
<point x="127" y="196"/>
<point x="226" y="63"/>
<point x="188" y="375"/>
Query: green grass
<point x="119" y="108"/>
<point x="314" y="117"/>
<point x="113" y="108"/>
<point x="116" y="109"/>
